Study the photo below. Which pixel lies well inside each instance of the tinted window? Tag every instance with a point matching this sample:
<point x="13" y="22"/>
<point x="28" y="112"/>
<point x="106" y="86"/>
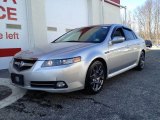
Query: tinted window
<point x="87" y="34"/>
<point x="135" y="36"/>
<point x="129" y="34"/>
<point x="118" y="33"/>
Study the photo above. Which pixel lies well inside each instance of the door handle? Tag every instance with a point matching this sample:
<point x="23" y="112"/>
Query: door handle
<point x="106" y="52"/>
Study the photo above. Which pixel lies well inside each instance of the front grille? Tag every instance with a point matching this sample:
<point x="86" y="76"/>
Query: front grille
<point x="43" y="84"/>
<point x="23" y="64"/>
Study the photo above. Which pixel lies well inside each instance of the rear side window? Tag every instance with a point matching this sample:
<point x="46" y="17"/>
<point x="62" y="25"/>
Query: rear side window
<point x="135" y="35"/>
<point x="129" y="34"/>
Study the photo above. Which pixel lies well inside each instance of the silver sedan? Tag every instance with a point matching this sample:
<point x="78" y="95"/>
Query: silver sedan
<point x="80" y="59"/>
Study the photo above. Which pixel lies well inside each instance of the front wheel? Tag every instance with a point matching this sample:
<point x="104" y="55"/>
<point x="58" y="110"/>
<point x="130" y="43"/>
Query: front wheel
<point x="141" y="63"/>
<point x="95" y="78"/>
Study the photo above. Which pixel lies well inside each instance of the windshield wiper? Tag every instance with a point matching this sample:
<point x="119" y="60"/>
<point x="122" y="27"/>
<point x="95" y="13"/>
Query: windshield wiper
<point x="73" y="41"/>
<point x="70" y="41"/>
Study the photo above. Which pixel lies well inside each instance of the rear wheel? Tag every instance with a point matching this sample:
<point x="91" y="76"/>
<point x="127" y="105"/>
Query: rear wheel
<point x="141" y="63"/>
<point x="95" y="78"/>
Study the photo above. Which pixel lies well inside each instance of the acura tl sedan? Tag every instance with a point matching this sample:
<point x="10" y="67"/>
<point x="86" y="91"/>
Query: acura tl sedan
<point x="83" y="58"/>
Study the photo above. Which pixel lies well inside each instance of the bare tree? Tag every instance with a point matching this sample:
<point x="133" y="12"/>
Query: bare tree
<point x="147" y="19"/>
<point x="157" y="20"/>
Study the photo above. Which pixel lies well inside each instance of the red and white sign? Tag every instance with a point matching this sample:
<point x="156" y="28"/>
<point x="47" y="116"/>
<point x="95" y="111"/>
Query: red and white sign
<point x="9" y="13"/>
<point x="13" y="30"/>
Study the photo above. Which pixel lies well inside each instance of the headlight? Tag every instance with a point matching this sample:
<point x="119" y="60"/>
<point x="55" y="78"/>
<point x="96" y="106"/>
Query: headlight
<point x="58" y="62"/>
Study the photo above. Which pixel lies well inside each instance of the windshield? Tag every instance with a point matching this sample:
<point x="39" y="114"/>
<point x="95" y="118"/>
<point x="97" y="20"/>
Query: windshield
<point x="88" y="34"/>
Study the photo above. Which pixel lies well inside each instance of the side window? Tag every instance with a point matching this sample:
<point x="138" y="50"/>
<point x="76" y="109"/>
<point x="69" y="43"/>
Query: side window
<point x="135" y="35"/>
<point x="129" y="34"/>
<point x="118" y="33"/>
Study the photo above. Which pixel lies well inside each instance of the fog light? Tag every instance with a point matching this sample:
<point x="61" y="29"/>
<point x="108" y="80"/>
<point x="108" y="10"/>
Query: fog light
<point x="60" y="84"/>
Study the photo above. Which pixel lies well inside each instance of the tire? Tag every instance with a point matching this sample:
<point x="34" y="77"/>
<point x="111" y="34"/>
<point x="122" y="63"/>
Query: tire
<point x="141" y="63"/>
<point x="95" y="78"/>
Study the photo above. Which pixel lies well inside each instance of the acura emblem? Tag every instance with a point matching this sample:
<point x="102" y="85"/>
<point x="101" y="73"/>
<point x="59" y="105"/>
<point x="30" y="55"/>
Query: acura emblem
<point x="20" y="64"/>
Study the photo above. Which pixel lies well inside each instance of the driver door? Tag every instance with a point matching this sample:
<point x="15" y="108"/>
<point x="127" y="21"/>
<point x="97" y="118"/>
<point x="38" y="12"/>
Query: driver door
<point x="117" y="56"/>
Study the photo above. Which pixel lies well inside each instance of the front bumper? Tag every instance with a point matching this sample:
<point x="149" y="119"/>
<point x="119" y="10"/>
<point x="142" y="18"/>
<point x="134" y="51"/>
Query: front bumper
<point x="73" y="75"/>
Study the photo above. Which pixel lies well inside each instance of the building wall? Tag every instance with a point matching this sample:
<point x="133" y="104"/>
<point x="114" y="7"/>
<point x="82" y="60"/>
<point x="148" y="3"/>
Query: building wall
<point x="95" y="12"/>
<point x="108" y="14"/>
<point x="36" y="22"/>
<point x="64" y="15"/>
<point x="111" y="14"/>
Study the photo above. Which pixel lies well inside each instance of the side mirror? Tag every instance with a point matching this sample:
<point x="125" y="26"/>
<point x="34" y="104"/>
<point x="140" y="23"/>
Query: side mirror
<point x="118" y="39"/>
<point x="148" y="43"/>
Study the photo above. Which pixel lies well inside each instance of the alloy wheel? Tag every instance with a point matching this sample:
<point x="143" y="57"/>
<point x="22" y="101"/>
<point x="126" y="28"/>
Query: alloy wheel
<point x="142" y="60"/>
<point x="97" y="77"/>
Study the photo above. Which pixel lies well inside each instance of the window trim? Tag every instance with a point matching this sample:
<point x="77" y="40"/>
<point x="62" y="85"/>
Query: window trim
<point x="115" y="30"/>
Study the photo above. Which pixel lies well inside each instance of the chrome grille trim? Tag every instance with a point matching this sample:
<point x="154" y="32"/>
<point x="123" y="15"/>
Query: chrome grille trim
<point x="23" y="64"/>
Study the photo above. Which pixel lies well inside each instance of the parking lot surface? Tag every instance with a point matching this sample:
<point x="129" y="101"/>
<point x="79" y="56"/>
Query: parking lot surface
<point x="133" y="95"/>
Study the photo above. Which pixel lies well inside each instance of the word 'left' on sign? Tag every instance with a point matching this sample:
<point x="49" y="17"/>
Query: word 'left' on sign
<point x="9" y="36"/>
<point x="12" y="35"/>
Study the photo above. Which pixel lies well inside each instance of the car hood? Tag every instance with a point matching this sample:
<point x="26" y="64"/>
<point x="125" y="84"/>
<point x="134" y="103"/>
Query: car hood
<point x="53" y="50"/>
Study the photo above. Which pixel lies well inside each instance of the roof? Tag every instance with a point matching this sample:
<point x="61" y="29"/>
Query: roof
<point x="106" y="25"/>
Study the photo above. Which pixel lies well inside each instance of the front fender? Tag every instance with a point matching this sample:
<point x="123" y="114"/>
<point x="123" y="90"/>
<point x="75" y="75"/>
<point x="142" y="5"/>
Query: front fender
<point x="92" y="56"/>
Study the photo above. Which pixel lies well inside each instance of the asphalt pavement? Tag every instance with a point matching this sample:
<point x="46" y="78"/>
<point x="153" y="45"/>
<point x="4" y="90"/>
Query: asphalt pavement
<point x="133" y="95"/>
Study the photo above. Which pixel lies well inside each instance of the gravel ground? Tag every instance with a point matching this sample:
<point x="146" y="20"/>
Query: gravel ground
<point x="4" y="92"/>
<point x="133" y="95"/>
<point x="4" y="74"/>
